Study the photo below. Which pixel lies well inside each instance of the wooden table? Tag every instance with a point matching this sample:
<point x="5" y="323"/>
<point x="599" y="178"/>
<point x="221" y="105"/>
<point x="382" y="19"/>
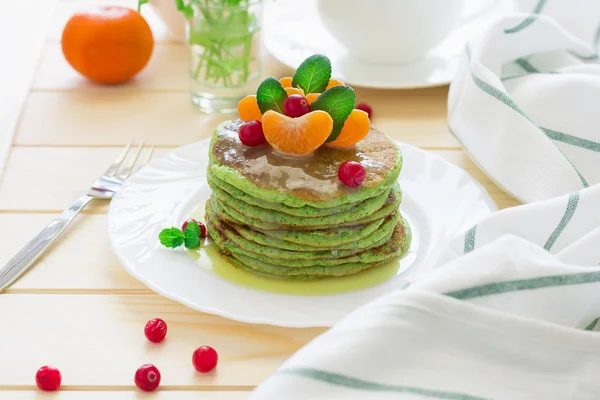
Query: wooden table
<point x="77" y="308"/>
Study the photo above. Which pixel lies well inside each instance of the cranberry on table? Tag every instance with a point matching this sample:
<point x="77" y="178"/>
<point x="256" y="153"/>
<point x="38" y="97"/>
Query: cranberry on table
<point x="147" y="377"/>
<point x="366" y="108"/>
<point x="202" y="227"/>
<point x="155" y="330"/>
<point x="48" y="378"/>
<point x="296" y="106"/>
<point x="352" y="174"/>
<point x="251" y="133"/>
<point x="205" y="359"/>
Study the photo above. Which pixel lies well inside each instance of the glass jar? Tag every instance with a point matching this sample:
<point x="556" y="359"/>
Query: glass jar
<point x="224" y="47"/>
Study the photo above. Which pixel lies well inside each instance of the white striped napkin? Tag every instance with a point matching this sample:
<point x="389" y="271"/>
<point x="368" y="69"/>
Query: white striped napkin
<point x="509" y="309"/>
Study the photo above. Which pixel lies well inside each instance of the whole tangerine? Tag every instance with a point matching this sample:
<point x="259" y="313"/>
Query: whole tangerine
<point x="108" y="44"/>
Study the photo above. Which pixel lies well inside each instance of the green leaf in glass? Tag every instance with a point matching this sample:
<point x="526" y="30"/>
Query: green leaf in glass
<point x="313" y="74"/>
<point x="338" y="101"/>
<point x="270" y="95"/>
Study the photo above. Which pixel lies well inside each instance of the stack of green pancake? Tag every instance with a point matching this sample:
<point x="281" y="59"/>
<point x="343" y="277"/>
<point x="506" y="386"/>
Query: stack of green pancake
<point x="290" y="216"/>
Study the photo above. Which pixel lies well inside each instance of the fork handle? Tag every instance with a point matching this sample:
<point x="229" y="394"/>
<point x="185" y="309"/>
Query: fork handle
<point x="25" y="258"/>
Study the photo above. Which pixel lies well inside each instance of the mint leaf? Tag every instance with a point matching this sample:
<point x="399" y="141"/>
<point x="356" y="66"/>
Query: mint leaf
<point x="338" y="101"/>
<point x="191" y="237"/>
<point x="194" y="227"/>
<point x="313" y="74"/>
<point x="270" y="95"/>
<point x="171" y="237"/>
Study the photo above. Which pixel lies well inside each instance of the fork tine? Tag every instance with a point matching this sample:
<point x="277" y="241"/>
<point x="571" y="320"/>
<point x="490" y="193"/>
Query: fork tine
<point x="114" y="167"/>
<point x="149" y="156"/>
<point x="129" y="166"/>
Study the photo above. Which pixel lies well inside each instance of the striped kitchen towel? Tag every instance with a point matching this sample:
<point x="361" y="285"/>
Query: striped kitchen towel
<point x="508" y="309"/>
<point x="524" y="103"/>
<point x="509" y="314"/>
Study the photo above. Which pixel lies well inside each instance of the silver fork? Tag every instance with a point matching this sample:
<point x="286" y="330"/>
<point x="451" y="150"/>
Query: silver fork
<point x="105" y="187"/>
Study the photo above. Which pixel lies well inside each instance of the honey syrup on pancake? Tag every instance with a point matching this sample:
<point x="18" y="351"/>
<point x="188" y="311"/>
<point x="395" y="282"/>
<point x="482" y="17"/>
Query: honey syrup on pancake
<point x="316" y="173"/>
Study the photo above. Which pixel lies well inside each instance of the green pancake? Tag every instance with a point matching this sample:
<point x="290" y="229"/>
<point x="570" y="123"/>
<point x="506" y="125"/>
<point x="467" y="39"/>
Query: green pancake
<point x="229" y="214"/>
<point x="218" y="185"/>
<point x="394" y="248"/>
<point x="312" y="180"/>
<point x="362" y="210"/>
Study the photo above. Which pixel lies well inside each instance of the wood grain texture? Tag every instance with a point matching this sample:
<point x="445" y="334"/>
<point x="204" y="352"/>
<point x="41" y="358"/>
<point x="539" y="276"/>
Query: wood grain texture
<point x="167" y="70"/>
<point x="98" y="340"/>
<point x="124" y="395"/>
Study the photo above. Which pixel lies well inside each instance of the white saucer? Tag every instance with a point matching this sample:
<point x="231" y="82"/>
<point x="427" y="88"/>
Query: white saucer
<point x="294" y="31"/>
<point x="439" y="199"/>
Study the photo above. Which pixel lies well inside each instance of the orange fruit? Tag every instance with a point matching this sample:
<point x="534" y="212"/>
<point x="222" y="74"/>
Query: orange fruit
<point x="292" y="90"/>
<point x="299" y="136"/>
<point x="108" y="44"/>
<point x="312" y="97"/>
<point x="248" y="109"/>
<point x="334" y="82"/>
<point x="286" y="81"/>
<point x="355" y="128"/>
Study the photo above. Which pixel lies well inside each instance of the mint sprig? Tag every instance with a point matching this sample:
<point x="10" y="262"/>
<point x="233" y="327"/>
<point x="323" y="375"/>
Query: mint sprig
<point x="270" y="95"/>
<point x="338" y="102"/>
<point x="312" y="76"/>
<point x="171" y="237"/>
<point x="174" y="237"/>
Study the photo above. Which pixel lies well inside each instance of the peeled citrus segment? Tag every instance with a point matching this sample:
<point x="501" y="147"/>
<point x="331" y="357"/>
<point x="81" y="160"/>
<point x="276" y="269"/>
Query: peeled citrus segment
<point x="286" y="82"/>
<point x="356" y="127"/>
<point x="248" y="109"/>
<point x="292" y="90"/>
<point x="312" y="97"/>
<point x="298" y="136"/>
<point x="334" y="82"/>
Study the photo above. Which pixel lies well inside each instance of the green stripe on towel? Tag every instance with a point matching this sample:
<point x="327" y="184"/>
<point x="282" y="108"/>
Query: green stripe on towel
<point x="470" y="239"/>
<point x="572" y="140"/>
<point x="592" y="325"/>
<point x="526" y="65"/>
<point x="564" y="221"/>
<point x="529" y="20"/>
<point x="524" y="284"/>
<point x="359" y="384"/>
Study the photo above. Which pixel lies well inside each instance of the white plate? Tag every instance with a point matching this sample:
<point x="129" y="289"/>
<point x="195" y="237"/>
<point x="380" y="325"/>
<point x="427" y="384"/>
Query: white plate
<point x="439" y="199"/>
<point x="294" y="31"/>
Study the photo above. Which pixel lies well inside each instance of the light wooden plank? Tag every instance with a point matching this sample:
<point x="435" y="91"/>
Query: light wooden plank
<point x="98" y="341"/>
<point x="65" y="9"/>
<point x="42" y="178"/>
<point x="112" y="118"/>
<point x="61" y="174"/>
<point x="164" y="118"/>
<point x="81" y="261"/>
<point x="23" y="26"/>
<point x="166" y="70"/>
<point x="123" y="395"/>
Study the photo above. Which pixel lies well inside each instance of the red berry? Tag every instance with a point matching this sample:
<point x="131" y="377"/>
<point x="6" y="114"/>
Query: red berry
<point x="200" y="225"/>
<point x="155" y="330"/>
<point x="205" y="358"/>
<point x="251" y="133"/>
<point x="147" y="377"/>
<point x="366" y="108"/>
<point x="351" y="174"/>
<point x="296" y="106"/>
<point x="48" y="378"/>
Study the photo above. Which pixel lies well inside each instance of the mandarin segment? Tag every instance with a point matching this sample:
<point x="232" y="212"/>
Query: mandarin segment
<point x="248" y="109"/>
<point x="334" y="82"/>
<point x="356" y="127"/>
<point x="298" y="136"/>
<point x="286" y="81"/>
<point x="292" y="90"/>
<point x="312" y="97"/>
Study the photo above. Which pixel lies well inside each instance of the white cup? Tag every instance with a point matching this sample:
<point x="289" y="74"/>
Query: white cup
<point x="390" y="31"/>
